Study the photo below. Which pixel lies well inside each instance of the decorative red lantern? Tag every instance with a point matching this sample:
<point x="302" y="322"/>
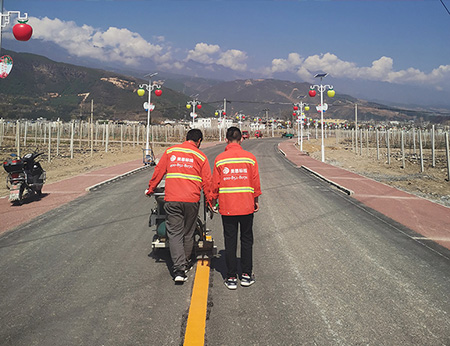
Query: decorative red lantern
<point x="295" y="108"/>
<point x="312" y="93"/>
<point x="199" y="106"/>
<point x="224" y="113"/>
<point x="22" y="31"/>
<point x="158" y="92"/>
<point x="294" y="114"/>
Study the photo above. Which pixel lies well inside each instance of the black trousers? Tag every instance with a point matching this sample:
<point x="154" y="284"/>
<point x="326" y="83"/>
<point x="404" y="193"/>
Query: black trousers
<point x="230" y="233"/>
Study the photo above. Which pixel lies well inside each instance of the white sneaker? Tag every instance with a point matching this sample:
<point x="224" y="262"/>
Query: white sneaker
<point x="231" y="283"/>
<point x="247" y="280"/>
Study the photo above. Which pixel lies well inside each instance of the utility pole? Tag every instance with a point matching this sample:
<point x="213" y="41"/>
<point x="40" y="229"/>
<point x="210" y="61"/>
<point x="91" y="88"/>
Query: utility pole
<point x="92" y="127"/>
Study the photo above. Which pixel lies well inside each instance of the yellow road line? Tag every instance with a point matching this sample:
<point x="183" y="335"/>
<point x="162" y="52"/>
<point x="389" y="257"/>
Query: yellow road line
<point x="196" y="323"/>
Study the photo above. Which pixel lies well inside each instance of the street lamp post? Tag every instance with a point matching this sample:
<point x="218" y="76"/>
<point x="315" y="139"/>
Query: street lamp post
<point x="148" y="151"/>
<point x="298" y="110"/>
<point x="321" y="88"/>
<point x="220" y="112"/>
<point x="194" y="104"/>
<point x="241" y="117"/>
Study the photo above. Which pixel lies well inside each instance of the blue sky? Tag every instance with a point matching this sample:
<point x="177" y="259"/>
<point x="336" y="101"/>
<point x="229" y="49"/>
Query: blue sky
<point x="401" y="43"/>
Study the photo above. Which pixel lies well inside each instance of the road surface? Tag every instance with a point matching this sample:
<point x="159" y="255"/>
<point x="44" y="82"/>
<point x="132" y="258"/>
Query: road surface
<point x="329" y="271"/>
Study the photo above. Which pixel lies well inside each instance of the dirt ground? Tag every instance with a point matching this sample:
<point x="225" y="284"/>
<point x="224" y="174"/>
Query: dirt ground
<point x="63" y="167"/>
<point x="432" y="184"/>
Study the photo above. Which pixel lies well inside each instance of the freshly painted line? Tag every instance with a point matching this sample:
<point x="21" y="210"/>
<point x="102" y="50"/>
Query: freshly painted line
<point x="431" y="238"/>
<point x="196" y="323"/>
<point x="340" y="187"/>
<point x="117" y="177"/>
<point x="389" y="197"/>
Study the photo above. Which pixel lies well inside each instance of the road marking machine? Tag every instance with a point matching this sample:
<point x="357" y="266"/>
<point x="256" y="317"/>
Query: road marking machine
<point x="203" y="242"/>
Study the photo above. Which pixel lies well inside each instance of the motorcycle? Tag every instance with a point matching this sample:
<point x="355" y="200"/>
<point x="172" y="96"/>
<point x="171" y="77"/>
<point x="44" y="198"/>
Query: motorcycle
<point x="25" y="177"/>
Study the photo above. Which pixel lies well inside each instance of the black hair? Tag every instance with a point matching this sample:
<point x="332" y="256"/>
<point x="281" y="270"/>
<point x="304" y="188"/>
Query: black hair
<point x="194" y="135"/>
<point x="234" y="134"/>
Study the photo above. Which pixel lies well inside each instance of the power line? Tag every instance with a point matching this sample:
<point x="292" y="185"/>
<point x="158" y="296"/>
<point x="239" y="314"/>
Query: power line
<point x="442" y="2"/>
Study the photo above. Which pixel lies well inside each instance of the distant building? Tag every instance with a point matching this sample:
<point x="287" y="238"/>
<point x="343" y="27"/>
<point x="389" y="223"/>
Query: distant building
<point x="202" y="123"/>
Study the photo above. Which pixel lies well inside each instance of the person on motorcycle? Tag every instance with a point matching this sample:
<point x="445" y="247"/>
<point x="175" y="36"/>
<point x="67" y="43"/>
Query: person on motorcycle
<point x="187" y="171"/>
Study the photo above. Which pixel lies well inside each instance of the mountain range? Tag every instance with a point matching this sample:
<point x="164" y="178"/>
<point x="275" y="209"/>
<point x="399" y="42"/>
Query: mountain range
<point x="40" y="87"/>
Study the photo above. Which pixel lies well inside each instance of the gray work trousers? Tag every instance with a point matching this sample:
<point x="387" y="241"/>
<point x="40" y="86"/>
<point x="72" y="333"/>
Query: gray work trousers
<point x="180" y="225"/>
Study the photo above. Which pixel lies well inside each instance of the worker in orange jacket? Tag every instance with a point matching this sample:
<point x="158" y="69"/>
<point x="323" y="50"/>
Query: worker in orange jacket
<point x="236" y="185"/>
<point x="187" y="171"/>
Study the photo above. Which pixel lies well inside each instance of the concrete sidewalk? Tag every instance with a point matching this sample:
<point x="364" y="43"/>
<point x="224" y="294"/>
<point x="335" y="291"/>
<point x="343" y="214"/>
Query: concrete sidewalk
<point x="431" y="220"/>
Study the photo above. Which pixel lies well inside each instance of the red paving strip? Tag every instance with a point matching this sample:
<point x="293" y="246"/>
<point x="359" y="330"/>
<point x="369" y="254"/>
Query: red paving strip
<point x="59" y="193"/>
<point x="64" y="191"/>
<point x="427" y="218"/>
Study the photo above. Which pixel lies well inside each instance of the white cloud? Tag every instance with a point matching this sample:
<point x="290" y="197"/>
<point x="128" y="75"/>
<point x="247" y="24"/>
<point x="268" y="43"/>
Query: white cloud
<point x="212" y="54"/>
<point x="130" y="48"/>
<point x="380" y="70"/>
<point x="203" y="53"/>
<point x="114" y="44"/>
<point x="233" y="59"/>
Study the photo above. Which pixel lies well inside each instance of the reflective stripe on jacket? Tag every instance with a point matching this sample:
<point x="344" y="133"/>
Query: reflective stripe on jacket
<point x="187" y="171"/>
<point x="236" y="181"/>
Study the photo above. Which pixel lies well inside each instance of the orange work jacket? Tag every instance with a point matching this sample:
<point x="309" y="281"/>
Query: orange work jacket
<point x="235" y="181"/>
<point x="187" y="171"/>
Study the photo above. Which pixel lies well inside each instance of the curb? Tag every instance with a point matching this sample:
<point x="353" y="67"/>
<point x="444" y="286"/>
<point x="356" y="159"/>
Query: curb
<point x="88" y="189"/>
<point x="340" y="187"/>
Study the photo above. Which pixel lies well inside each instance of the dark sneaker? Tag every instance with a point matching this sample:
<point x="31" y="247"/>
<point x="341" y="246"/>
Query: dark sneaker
<point x="189" y="266"/>
<point x="231" y="283"/>
<point x="247" y="280"/>
<point x="180" y="276"/>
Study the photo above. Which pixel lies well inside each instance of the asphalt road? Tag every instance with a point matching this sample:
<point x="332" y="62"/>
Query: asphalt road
<point x="329" y="271"/>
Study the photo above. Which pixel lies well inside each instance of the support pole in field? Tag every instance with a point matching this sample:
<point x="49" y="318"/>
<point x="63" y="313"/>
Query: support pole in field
<point x="121" y="137"/>
<point x="44" y="128"/>
<point x="388" y="147"/>
<point x="49" y="141"/>
<point x="18" y="138"/>
<point x="378" y="144"/>
<point x="421" y="151"/>
<point x="106" y="137"/>
<point x="25" y="134"/>
<point x="361" y="143"/>
<point x="367" y="141"/>
<point x="433" y="146"/>
<point x="2" y="131"/>
<point x="58" y="136"/>
<point x="403" y="148"/>
<point x="71" y="139"/>
<point x="447" y="147"/>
